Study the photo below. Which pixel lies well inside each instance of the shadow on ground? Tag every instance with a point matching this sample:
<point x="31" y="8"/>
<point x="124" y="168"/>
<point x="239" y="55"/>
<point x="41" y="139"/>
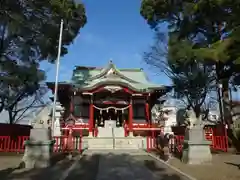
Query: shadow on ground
<point x="86" y="169"/>
<point x="117" y="166"/>
<point x="233" y="164"/>
<point x="162" y="171"/>
<point x="125" y="166"/>
<point x="58" y="163"/>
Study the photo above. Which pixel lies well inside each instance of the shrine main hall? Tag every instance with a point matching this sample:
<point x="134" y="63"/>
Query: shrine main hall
<point x="99" y="99"/>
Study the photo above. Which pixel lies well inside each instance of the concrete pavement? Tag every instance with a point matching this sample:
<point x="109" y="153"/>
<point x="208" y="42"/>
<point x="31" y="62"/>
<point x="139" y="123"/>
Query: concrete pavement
<point x="117" y="165"/>
<point x="103" y="165"/>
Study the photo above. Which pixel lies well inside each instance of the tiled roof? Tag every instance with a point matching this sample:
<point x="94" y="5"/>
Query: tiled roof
<point x="89" y="77"/>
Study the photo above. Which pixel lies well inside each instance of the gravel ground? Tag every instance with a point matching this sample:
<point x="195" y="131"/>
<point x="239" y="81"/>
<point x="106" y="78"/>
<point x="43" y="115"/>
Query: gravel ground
<point x="224" y="167"/>
<point x="9" y="170"/>
<point x="159" y="169"/>
<point x="9" y="162"/>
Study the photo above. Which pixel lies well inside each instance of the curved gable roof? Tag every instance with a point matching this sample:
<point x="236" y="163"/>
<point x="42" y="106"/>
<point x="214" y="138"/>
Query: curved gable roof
<point x="111" y="71"/>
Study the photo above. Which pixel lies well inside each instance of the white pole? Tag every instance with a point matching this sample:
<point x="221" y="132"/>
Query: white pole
<point x="56" y="78"/>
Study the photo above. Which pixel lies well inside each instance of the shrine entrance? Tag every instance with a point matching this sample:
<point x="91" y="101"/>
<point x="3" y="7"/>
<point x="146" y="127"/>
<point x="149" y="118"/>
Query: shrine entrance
<point x="118" y="113"/>
<point x="111" y="106"/>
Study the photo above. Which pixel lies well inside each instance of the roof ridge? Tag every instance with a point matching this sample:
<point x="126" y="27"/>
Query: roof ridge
<point x="101" y="68"/>
<point x="130" y="69"/>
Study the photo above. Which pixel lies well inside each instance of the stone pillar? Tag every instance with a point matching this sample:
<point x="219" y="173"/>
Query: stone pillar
<point x="196" y="149"/>
<point x="171" y="119"/>
<point x="38" y="149"/>
<point x="58" y="114"/>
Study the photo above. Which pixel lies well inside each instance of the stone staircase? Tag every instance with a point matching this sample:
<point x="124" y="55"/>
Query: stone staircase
<point x="129" y="143"/>
<point x="112" y="137"/>
<point x="118" y="132"/>
<point x="105" y="132"/>
<point x="99" y="143"/>
<point x="110" y="130"/>
<point x="114" y="143"/>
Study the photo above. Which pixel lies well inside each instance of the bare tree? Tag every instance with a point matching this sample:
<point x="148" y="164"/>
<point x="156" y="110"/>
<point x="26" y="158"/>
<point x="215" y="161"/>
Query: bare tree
<point x="157" y="54"/>
<point x="26" y="107"/>
<point x="192" y="80"/>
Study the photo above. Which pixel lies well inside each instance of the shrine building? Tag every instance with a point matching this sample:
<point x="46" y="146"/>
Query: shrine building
<point x="110" y="96"/>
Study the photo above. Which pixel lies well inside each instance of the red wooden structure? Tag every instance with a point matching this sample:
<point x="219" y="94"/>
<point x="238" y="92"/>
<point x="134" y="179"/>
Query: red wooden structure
<point x="216" y="134"/>
<point x="62" y="144"/>
<point x="68" y="143"/>
<point x="98" y="94"/>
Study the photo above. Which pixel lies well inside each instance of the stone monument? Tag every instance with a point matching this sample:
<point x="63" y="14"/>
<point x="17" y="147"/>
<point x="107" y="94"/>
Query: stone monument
<point x="196" y="149"/>
<point x="39" y="146"/>
<point x="58" y="114"/>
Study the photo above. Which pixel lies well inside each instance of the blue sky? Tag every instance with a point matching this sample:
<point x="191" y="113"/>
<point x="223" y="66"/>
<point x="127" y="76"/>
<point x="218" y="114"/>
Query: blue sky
<point x="115" y="30"/>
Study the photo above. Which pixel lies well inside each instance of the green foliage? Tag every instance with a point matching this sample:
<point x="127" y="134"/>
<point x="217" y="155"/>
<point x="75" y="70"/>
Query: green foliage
<point x="192" y="79"/>
<point x="206" y="32"/>
<point x="192" y="82"/>
<point x="202" y="22"/>
<point x="37" y="24"/>
<point x="29" y="34"/>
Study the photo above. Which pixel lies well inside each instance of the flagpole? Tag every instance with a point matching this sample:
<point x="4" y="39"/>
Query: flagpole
<point x="56" y="77"/>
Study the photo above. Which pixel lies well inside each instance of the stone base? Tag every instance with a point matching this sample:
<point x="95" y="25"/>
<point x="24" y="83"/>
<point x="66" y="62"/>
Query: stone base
<point x="114" y="143"/>
<point x="130" y="134"/>
<point x="38" y="149"/>
<point x="196" y="150"/>
<point x="90" y="134"/>
<point x="105" y="132"/>
<point x="37" y="154"/>
<point x="197" y="154"/>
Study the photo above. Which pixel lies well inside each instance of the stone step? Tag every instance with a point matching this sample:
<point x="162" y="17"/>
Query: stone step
<point x="114" y="143"/>
<point x="105" y="132"/>
<point x="119" y="132"/>
<point x="100" y="143"/>
<point x="125" y="144"/>
<point x="111" y="132"/>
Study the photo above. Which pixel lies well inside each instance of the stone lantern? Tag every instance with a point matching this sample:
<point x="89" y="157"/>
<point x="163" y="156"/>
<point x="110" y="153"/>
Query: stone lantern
<point x="58" y="114"/>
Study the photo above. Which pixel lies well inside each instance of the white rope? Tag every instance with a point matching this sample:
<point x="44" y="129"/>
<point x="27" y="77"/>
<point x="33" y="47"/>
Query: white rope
<point x="111" y="107"/>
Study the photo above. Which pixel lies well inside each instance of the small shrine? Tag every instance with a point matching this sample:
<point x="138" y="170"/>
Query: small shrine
<point x="97" y="95"/>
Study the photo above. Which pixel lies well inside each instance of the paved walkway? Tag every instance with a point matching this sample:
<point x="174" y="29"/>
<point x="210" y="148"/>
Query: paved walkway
<point x="100" y="165"/>
<point x="121" y="166"/>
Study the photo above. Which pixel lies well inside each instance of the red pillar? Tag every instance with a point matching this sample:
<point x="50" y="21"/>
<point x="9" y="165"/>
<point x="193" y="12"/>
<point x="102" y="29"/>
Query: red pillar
<point x="130" y="117"/>
<point x="147" y="112"/>
<point x="91" y="118"/>
<point x="71" y="105"/>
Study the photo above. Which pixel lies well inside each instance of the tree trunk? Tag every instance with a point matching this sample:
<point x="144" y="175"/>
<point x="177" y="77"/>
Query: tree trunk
<point x="1" y="107"/>
<point x="226" y="103"/>
<point x="197" y="110"/>
<point x="227" y="115"/>
<point x="10" y="116"/>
